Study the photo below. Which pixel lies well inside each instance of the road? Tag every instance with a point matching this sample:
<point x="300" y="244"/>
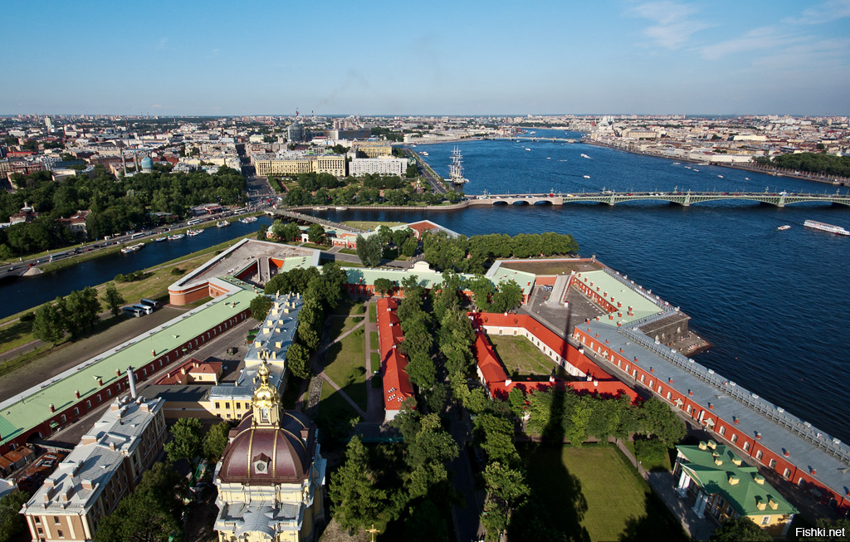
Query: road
<point x="436" y="184"/>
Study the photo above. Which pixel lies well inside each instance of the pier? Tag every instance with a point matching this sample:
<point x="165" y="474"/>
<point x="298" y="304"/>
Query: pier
<point x="685" y="199"/>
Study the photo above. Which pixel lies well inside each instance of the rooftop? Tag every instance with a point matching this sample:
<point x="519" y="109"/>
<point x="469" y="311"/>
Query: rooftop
<point x="807" y="447"/>
<point x="32" y="407"/>
<point x="278" y="330"/>
<point x="622" y="291"/>
<point x="79" y="479"/>
<point x="721" y="471"/>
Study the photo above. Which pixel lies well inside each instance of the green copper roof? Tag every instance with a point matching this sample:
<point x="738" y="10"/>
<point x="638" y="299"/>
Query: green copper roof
<point x="623" y="294"/>
<point x="745" y="495"/>
<point x="20" y="416"/>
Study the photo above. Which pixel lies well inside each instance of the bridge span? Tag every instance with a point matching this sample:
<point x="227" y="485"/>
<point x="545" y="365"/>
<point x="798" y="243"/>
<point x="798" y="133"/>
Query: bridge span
<point x="685" y="199"/>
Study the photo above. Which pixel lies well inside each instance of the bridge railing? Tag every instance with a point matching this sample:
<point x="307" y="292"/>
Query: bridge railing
<point x="777" y="414"/>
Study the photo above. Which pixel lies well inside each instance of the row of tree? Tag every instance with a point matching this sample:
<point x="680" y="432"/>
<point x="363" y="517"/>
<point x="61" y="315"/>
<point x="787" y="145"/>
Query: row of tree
<point x="321" y="292"/>
<point x="818" y="163"/>
<point x="472" y="254"/>
<point x="355" y="194"/>
<point x="117" y="205"/>
<point x="75" y="314"/>
<point x="373" y="248"/>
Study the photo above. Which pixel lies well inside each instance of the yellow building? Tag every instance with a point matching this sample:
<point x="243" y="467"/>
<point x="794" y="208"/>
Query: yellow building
<point x="722" y="487"/>
<point x="373" y="149"/>
<point x="271" y="477"/>
<point x="292" y="164"/>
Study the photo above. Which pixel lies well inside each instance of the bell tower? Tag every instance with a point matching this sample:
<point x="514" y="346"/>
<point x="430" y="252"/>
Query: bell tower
<point x="266" y="402"/>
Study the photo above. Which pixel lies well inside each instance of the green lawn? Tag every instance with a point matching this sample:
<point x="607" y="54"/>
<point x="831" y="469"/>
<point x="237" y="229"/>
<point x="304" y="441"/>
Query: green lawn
<point x="345" y="366"/>
<point x="349" y="307"/>
<point x="341" y="325"/>
<point x="373" y="312"/>
<point x="14" y="335"/>
<point x="521" y="358"/>
<point x="333" y="409"/>
<point x="348" y="251"/>
<point x="595" y="490"/>
<point x="373" y="340"/>
<point x="371" y="225"/>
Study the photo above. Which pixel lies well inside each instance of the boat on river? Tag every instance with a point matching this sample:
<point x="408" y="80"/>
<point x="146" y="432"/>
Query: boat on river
<point x="160" y="239"/>
<point x="823" y="226"/>
<point x="222" y="224"/>
<point x="132" y="248"/>
<point x="176" y="237"/>
<point x="193" y="233"/>
<point x="783" y="228"/>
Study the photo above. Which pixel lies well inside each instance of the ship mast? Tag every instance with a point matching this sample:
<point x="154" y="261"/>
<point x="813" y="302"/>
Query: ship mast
<point x="456" y="168"/>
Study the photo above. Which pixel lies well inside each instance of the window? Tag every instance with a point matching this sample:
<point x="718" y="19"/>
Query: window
<point x="660" y="390"/>
<point x="800" y="481"/>
<point x="99" y="399"/>
<point x="217" y="405"/>
<point x="651" y="382"/>
<point x="238" y="406"/>
<point x="746" y="446"/>
<point x="765" y="520"/>
<point x="76" y="411"/>
<point x="722" y="431"/>
<point x="759" y="455"/>
<point x="641" y="378"/>
<point x="88" y="405"/>
<point x="227" y="405"/>
<point x="56" y="520"/>
<point x="772" y="464"/>
<point x="62" y="418"/>
<point x="60" y="534"/>
<point x="109" y="393"/>
<point x="37" y="520"/>
<point x="786" y="473"/>
<point x="691" y="408"/>
<point x="734" y="439"/>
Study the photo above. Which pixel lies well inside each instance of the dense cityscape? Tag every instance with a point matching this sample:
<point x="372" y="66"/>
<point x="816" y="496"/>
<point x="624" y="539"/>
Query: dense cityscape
<point x="556" y="272"/>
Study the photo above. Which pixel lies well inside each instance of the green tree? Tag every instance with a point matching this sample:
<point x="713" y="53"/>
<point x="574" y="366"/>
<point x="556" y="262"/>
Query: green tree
<point x="456" y="338"/>
<point x="261" y="233"/>
<point x="187" y="441"/>
<point x="216" y="440"/>
<point x="260" y="307"/>
<point x="298" y="360"/>
<point x="49" y="324"/>
<point x="357" y="503"/>
<point x="740" y="530"/>
<point x="508" y="297"/>
<point x="369" y="250"/>
<point x="113" y="299"/>
<point x="422" y="371"/>
<point x="151" y="513"/>
<point x="481" y="289"/>
<point x="316" y="233"/>
<point x="384" y="286"/>
<point x="656" y="418"/>
<point x="12" y="523"/>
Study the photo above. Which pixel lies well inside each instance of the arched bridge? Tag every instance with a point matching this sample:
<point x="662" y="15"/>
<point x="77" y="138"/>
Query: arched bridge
<point x="779" y="199"/>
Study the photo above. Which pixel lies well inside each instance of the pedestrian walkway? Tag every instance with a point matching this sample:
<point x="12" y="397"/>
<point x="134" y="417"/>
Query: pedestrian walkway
<point x="662" y="484"/>
<point x="319" y="359"/>
<point x="374" y="396"/>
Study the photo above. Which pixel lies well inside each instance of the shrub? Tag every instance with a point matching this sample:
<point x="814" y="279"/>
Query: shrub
<point x="28" y="317"/>
<point x="174" y="271"/>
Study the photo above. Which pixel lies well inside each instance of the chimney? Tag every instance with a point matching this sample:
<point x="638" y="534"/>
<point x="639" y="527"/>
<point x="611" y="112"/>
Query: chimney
<point x="131" y="380"/>
<point x="100" y="381"/>
<point x="77" y="394"/>
<point x="52" y="408"/>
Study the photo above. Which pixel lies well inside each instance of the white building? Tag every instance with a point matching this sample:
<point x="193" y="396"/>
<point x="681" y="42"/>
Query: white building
<point x="384" y="165"/>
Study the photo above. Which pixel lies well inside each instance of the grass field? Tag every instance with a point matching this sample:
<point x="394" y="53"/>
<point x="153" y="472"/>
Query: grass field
<point x="551" y="268"/>
<point x="371" y="224"/>
<point x="521" y="358"/>
<point x="373" y="341"/>
<point x="349" y="307"/>
<point x="373" y="312"/>
<point x="341" y="325"/>
<point x="345" y="366"/>
<point x="594" y="489"/>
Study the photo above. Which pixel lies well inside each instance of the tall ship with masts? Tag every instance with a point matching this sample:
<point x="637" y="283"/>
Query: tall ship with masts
<point x="456" y="169"/>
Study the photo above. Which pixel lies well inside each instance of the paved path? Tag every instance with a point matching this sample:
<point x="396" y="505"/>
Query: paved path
<point x="318" y="362"/>
<point x="465" y="518"/>
<point x="374" y="396"/>
<point x="662" y="483"/>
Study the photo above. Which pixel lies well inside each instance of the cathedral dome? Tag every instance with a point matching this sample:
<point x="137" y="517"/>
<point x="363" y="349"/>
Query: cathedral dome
<point x="264" y="454"/>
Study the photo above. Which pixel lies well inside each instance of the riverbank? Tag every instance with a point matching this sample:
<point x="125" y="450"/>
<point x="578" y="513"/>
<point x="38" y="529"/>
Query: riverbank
<point x="755" y="169"/>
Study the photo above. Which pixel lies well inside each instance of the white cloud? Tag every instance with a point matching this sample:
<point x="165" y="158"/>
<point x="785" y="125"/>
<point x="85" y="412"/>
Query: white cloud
<point x="673" y="23"/>
<point x="763" y="38"/>
<point x="823" y="13"/>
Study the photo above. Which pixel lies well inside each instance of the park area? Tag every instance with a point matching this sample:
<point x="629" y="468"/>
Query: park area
<point x="523" y="359"/>
<point x="593" y="493"/>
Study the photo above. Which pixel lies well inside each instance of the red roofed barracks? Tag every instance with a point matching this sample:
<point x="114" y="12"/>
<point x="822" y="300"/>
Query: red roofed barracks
<point x="396" y="382"/>
<point x="492" y="372"/>
<point x="749" y="425"/>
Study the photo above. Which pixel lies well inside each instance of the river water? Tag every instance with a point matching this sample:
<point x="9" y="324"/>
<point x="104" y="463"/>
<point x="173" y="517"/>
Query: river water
<point x="774" y="304"/>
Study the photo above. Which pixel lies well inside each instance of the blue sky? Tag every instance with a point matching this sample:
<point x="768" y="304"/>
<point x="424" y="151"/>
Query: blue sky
<point x="399" y="58"/>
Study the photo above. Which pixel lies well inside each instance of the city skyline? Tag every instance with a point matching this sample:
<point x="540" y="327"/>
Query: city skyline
<point x="626" y="57"/>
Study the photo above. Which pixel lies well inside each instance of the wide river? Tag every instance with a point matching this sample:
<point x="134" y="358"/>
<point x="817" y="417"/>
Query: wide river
<point x="775" y="304"/>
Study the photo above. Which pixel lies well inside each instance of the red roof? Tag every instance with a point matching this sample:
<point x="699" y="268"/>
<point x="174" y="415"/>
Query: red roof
<point x="396" y="382"/>
<point x="496" y="378"/>
<point x="192" y="365"/>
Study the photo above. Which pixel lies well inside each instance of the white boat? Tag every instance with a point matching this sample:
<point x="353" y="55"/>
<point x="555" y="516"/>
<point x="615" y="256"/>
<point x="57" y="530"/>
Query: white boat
<point x="529" y="150"/>
<point x="696" y="169"/>
<point x="160" y="239"/>
<point x="746" y="178"/>
<point x="176" y="237"/>
<point x="424" y="153"/>
<point x="585" y="156"/>
<point x="132" y="248"/>
<point x="721" y="176"/>
<point x="587" y="176"/>
<point x="193" y="233"/>
<point x="340" y="208"/>
<point x="675" y="163"/>
<point x="783" y="228"/>
<point x="222" y="224"/>
<point x="822" y="226"/>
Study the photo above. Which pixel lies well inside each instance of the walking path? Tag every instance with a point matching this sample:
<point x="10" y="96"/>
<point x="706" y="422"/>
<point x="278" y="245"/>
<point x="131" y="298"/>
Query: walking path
<point x="374" y="396"/>
<point x="662" y="483"/>
<point x="319" y="359"/>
